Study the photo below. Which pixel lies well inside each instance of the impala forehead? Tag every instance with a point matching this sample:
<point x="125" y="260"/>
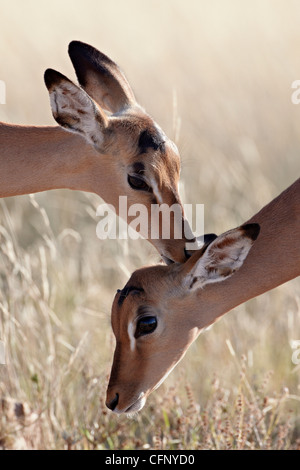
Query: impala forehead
<point x="151" y="155"/>
<point x="145" y="140"/>
<point x="123" y="312"/>
<point x="141" y="289"/>
<point x="141" y="282"/>
<point x="157" y="156"/>
<point x="151" y="138"/>
<point x="169" y="159"/>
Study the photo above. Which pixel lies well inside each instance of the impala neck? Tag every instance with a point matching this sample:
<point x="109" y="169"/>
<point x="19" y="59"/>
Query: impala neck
<point x="34" y="159"/>
<point x="273" y="260"/>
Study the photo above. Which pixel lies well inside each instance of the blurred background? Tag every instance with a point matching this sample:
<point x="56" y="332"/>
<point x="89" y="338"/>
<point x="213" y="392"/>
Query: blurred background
<point x="216" y="75"/>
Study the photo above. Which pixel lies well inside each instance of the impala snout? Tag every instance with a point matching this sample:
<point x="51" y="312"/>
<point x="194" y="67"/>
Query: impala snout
<point x="112" y="403"/>
<point x="130" y="395"/>
<point x="178" y="250"/>
<point x="176" y="253"/>
<point x="119" y="406"/>
<point x="125" y="391"/>
<point x="134" y="378"/>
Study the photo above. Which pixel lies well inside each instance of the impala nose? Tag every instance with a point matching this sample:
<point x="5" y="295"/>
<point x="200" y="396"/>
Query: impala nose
<point x="113" y="403"/>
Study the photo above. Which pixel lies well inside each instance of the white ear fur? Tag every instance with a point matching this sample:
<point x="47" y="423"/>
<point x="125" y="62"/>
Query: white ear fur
<point x="74" y="110"/>
<point x="225" y="255"/>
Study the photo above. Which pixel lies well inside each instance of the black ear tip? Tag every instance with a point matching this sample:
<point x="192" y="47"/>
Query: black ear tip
<point x="78" y="47"/>
<point x="50" y="77"/>
<point x="73" y="45"/>
<point x="251" y="230"/>
<point x="209" y="237"/>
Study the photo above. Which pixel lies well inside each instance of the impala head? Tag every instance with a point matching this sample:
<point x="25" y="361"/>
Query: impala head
<point x="155" y="316"/>
<point x="138" y="158"/>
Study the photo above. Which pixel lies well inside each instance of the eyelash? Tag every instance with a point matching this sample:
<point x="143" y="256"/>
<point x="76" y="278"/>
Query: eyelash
<point x="134" y="182"/>
<point x="146" y="324"/>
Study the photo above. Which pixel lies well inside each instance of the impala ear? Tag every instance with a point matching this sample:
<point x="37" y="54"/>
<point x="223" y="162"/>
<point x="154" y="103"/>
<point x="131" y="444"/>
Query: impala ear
<point x="74" y="110"/>
<point x="220" y="258"/>
<point x="101" y="77"/>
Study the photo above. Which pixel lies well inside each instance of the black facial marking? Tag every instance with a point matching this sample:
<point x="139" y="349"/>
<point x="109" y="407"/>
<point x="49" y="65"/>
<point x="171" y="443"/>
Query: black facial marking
<point x="194" y="280"/>
<point x="209" y="237"/>
<point x="138" y="168"/>
<point x="150" y="139"/>
<point x="124" y="293"/>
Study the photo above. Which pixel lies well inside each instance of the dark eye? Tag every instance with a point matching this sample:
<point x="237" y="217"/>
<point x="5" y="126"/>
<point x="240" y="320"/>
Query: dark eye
<point x="145" y="325"/>
<point x="138" y="183"/>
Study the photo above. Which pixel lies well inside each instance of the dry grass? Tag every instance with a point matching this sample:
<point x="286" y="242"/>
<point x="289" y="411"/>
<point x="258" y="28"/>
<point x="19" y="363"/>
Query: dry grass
<point x="217" y="77"/>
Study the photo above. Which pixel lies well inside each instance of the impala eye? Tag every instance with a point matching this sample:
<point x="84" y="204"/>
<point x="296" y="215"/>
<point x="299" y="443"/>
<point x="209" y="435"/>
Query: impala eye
<point x="137" y="183"/>
<point x="145" y="326"/>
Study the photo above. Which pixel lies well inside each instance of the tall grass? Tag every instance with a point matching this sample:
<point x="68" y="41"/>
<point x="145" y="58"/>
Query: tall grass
<point x="217" y="77"/>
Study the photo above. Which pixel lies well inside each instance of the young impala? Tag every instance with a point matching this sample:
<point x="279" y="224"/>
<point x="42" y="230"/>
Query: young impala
<point x="162" y="309"/>
<point x="118" y="149"/>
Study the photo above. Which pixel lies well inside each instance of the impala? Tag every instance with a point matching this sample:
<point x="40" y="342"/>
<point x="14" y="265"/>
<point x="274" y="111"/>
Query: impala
<point x="114" y="147"/>
<point x="162" y="309"/>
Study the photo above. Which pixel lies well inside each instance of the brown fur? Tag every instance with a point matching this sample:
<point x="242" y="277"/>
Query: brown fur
<point x="182" y="313"/>
<point x="34" y="159"/>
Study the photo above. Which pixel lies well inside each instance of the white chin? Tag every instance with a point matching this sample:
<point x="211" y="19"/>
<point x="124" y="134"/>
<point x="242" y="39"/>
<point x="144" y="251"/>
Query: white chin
<point x="135" y="407"/>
